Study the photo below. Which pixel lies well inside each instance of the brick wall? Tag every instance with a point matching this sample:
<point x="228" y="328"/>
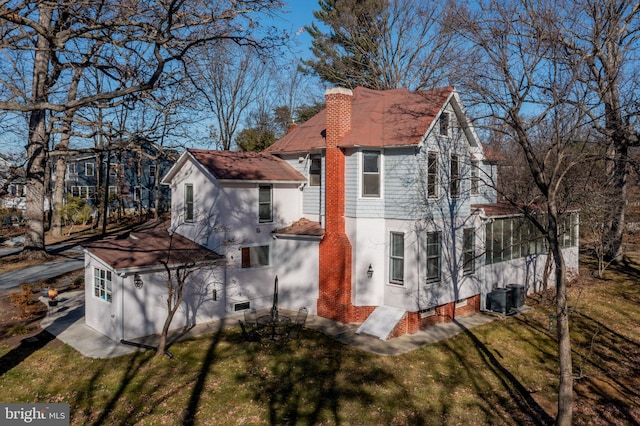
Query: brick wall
<point x="412" y="322"/>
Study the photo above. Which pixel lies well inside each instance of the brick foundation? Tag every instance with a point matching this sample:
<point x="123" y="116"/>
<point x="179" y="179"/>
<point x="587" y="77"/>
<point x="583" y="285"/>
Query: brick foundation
<point x="411" y="322"/>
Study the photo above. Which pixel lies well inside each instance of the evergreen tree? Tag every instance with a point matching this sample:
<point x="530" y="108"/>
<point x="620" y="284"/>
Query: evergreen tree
<point x="346" y="55"/>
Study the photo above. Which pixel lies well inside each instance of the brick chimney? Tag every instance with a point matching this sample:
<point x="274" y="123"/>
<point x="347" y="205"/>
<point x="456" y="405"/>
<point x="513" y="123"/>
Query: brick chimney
<point x="334" y="300"/>
<point x="291" y="127"/>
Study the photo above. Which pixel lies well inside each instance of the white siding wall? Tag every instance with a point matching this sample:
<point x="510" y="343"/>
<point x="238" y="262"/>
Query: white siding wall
<point x="101" y="315"/>
<point x="295" y="262"/>
<point x="528" y="271"/>
<point x="141" y="312"/>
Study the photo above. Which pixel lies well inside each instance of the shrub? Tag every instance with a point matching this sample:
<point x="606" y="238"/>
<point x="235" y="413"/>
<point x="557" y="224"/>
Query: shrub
<point x="25" y="300"/>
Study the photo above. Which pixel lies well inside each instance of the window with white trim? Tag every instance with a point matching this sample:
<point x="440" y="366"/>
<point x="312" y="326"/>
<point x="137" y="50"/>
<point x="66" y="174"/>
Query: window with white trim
<point x="396" y="258"/>
<point x="188" y="202"/>
<point x="433" y="256"/>
<point x="432" y="175"/>
<point x="102" y="284"/>
<point x="71" y="169"/>
<point x="314" y="170"/>
<point x="454" y="178"/>
<point x="86" y="192"/>
<point x="256" y="256"/>
<point x="89" y="169"/>
<point x="265" y="204"/>
<point x="371" y="173"/>
<point x="468" y="251"/>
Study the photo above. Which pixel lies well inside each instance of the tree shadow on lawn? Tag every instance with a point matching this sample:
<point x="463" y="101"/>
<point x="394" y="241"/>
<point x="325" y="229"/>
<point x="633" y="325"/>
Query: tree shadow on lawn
<point x="146" y="383"/>
<point x="315" y="379"/>
<point x="27" y="347"/>
<point x="521" y="407"/>
<point x="609" y="366"/>
<point x="198" y="387"/>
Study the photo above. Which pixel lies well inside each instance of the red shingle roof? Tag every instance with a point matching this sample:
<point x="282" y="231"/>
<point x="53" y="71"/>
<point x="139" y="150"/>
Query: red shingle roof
<point x="246" y="165"/>
<point x="302" y="227"/>
<point x="150" y="245"/>
<point x="378" y="119"/>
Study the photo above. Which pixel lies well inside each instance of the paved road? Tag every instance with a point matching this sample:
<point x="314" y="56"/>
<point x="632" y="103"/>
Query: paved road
<point x="32" y="274"/>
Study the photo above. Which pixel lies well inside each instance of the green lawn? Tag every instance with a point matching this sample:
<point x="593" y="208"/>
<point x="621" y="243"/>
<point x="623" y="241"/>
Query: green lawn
<point x="501" y="373"/>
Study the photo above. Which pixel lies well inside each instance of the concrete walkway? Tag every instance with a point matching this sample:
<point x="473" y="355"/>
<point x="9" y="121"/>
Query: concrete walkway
<point x="66" y="322"/>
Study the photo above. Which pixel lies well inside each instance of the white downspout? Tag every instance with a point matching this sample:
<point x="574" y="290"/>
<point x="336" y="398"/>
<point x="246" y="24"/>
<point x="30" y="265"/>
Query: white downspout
<point x="122" y="277"/>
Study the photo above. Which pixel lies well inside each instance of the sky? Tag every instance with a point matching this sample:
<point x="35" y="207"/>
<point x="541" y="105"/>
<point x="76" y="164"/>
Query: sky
<point x="295" y="15"/>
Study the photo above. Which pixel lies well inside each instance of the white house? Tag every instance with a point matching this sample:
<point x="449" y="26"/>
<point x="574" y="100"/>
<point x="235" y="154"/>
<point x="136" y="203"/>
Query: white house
<point x="375" y="211"/>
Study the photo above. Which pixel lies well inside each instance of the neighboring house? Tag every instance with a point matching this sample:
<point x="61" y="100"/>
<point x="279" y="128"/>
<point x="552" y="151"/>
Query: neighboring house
<point x="375" y="211"/>
<point x="132" y="178"/>
<point x="12" y="186"/>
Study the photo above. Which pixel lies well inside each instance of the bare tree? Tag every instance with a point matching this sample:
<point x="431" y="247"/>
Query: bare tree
<point x="598" y="43"/>
<point x="137" y="44"/>
<point x="523" y="92"/>
<point x="184" y="260"/>
<point x="229" y="80"/>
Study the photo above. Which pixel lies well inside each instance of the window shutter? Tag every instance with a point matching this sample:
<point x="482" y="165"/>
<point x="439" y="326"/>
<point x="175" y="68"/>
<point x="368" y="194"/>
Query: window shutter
<point x="246" y="257"/>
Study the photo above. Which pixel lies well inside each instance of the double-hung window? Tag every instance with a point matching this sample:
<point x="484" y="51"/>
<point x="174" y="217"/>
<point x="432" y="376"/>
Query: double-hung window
<point x="89" y="169"/>
<point x="371" y="174"/>
<point x="433" y="256"/>
<point x="314" y="170"/>
<point x="432" y="175"/>
<point x="468" y="251"/>
<point x="255" y="256"/>
<point x="454" y="179"/>
<point x="265" y="204"/>
<point x="102" y="284"/>
<point x="396" y="258"/>
<point x="188" y="202"/>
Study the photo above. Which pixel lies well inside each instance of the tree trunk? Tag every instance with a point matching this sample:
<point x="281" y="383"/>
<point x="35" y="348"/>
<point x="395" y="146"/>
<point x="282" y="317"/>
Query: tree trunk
<point x="37" y="147"/>
<point x="58" y="197"/>
<point x="565" y="386"/>
<point x="172" y="307"/>
<point x="618" y="175"/>
<point x="156" y="191"/>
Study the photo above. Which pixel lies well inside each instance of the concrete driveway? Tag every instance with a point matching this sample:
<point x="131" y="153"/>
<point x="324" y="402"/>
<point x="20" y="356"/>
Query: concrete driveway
<point x="32" y="274"/>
